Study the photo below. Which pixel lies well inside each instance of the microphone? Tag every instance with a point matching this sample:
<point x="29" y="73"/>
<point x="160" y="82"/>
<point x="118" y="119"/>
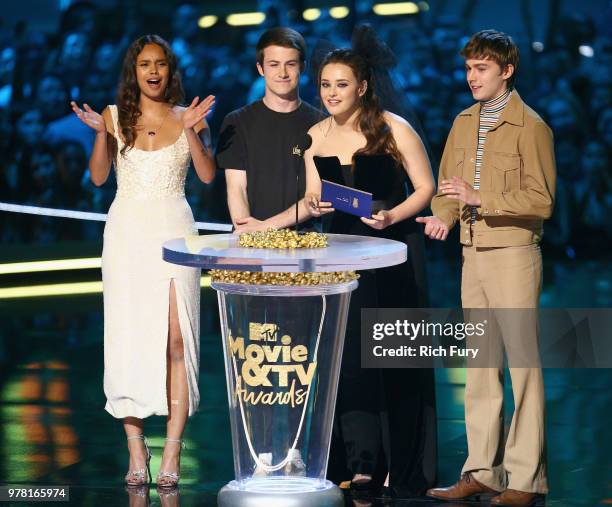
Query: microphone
<point x="298" y="151"/>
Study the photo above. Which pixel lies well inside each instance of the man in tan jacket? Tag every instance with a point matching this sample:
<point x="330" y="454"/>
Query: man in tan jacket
<point x="497" y="178"/>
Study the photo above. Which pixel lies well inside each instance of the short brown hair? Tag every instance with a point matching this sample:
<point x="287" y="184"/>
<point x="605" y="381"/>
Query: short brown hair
<point x="496" y="46"/>
<point x="284" y="37"/>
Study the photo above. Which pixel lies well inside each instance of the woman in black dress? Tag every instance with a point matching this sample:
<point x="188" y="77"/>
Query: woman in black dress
<point x="386" y="418"/>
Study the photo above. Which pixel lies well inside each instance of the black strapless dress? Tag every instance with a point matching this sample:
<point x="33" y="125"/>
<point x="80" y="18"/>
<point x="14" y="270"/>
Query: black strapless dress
<point x="385" y="418"/>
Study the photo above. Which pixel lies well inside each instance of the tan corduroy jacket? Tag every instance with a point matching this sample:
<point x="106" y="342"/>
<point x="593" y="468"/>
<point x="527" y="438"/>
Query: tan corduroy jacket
<point x="517" y="176"/>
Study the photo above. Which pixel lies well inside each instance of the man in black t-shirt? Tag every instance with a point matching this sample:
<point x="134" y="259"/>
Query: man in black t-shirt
<point x="256" y="150"/>
<point x="256" y="143"/>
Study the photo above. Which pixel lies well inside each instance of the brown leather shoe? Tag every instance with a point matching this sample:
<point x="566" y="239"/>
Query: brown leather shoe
<point x="513" y="497"/>
<point x="466" y="488"/>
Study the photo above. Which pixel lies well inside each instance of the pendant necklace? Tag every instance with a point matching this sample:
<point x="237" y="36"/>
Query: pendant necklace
<point x="155" y="131"/>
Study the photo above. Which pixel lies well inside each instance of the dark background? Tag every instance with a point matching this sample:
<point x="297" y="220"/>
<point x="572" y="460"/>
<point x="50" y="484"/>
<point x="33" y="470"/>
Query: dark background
<point x="53" y="429"/>
<point x="49" y="56"/>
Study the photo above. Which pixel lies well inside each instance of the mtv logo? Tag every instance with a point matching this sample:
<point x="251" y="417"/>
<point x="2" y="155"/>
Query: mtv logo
<point x="262" y="332"/>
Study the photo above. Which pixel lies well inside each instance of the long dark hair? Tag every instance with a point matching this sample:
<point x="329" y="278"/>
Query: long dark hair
<point x="371" y="120"/>
<point x="371" y="60"/>
<point x="128" y="95"/>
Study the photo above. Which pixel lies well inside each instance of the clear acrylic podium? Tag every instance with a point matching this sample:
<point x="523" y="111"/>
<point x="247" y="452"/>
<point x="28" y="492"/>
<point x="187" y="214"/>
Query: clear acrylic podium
<point x="282" y="347"/>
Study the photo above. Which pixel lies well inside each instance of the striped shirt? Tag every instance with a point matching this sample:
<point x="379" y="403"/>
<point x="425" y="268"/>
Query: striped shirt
<point x="490" y="112"/>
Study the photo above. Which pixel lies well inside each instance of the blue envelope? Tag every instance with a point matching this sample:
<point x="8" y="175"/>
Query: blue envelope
<point x="347" y="199"/>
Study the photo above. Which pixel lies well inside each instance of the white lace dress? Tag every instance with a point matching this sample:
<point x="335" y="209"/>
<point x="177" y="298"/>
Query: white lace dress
<point x="149" y="208"/>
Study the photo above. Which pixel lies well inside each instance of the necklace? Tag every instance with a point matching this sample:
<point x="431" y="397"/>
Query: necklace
<point x="156" y="130"/>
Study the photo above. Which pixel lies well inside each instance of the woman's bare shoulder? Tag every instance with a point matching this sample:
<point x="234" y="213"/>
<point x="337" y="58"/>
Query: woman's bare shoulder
<point x="395" y="120"/>
<point x="399" y="126"/>
<point x="318" y="130"/>
<point x="178" y="111"/>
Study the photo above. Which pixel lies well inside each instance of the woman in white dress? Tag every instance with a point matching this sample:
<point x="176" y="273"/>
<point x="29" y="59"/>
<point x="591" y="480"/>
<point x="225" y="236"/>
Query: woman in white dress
<point x="151" y="307"/>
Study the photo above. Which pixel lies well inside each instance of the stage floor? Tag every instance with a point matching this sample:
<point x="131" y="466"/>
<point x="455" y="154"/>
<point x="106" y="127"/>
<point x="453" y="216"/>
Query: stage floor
<point x="54" y="431"/>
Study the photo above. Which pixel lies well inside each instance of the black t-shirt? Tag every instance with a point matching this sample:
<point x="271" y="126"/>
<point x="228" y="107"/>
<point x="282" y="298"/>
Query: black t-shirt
<point x="260" y="141"/>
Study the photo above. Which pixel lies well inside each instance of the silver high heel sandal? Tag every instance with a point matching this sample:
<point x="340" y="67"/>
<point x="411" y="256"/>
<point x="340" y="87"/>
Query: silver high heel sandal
<point x="140" y="477"/>
<point x="170" y="479"/>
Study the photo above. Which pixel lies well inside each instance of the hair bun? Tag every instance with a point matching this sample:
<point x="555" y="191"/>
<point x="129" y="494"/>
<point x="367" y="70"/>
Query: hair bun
<point x="371" y="48"/>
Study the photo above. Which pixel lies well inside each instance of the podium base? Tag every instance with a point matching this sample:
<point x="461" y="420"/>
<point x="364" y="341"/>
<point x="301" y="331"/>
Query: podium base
<point x="281" y="492"/>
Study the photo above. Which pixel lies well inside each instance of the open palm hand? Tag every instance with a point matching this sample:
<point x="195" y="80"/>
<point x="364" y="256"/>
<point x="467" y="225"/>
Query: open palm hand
<point x="89" y="117"/>
<point x="195" y="113"/>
